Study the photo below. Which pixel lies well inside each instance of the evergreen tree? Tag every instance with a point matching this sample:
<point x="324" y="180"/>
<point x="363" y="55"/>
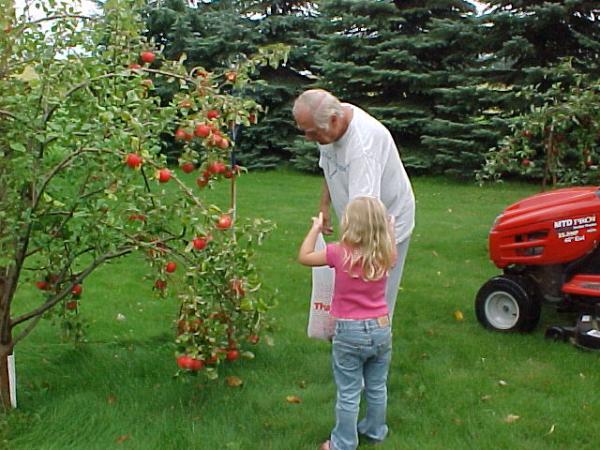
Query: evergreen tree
<point x="384" y="56"/>
<point x="520" y="45"/>
<point x="214" y="34"/>
<point x="530" y="35"/>
<point x="296" y="24"/>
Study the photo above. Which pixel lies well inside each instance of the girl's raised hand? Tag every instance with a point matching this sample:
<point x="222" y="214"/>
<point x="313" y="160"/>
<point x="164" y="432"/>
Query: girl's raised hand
<point x="318" y="222"/>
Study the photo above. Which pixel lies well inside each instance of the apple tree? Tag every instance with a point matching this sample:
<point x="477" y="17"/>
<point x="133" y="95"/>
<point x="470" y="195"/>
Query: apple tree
<point x="558" y="140"/>
<point x="83" y="180"/>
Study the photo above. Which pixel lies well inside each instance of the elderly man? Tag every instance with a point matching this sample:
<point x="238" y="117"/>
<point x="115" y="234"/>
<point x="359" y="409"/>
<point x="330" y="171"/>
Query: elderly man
<point x="358" y="158"/>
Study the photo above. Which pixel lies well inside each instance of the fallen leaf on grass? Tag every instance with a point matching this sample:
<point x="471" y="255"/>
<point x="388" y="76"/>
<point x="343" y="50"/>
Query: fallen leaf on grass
<point x="247" y="355"/>
<point x="485" y="398"/>
<point x="458" y="315"/>
<point x="28" y="74"/>
<point x="511" y="418"/>
<point x="111" y="399"/>
<point x="502" y="383"/>
<point x="434" y="253"/>
<point x="122" y="438"/>
<point x="551" y="430"/>
<point x="293" y="399"/>
<point x="233" y="381"/>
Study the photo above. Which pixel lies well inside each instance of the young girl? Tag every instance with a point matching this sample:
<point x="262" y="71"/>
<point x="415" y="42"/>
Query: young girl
<point x="362" y="343"/>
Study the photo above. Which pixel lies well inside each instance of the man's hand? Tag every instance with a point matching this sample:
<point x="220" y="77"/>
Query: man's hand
<point x="391" y="225"/>
<point x="326" y="227"/>
<point x="324" y="207"/>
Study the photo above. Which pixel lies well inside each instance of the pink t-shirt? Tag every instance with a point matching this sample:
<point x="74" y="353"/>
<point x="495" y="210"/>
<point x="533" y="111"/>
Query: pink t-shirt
<point x="354" y="298"/>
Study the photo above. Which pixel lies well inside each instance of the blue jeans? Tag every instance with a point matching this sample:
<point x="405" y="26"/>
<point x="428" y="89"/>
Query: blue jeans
<point x="362" y="349"/>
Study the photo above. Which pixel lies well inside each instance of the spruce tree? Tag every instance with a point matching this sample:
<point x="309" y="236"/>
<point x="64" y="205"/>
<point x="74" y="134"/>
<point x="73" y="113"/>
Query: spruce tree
<point x="214" y="34"/>
<point x="383" y="56"/>
<point x="516" y="45"/>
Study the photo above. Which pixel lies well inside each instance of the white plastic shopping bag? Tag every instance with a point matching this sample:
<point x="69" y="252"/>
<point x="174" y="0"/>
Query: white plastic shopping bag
<point x="320" y="323"/>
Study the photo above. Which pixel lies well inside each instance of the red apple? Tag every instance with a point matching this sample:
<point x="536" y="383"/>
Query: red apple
<point x="134" y="66"/>
<point x="217" y="167"/>
<point x="147" y="57"/>
<point x="76" y="290"/>
<point x="196" y="364"/>
<point x="148" y="83"/>
<point x="216" y="139"/>
<point x="526" y="162"/>
<point x="140" y="217"/>
<point x="191" y="326"/>
<point x="164" y="175"/>
<point x="160" y="284"/>
<point x="184" y="362"/>
<point x="199" y="242"/>
<point x="71" y="305"/>
<point x="224" y="222"/>
<point x="202" y="181"/>
<point x="232" y="355"/>
<point x="212" y="360"/>
<point x="182" y="135"/>
<point x="223" y="144"/>
<point x="212" y="114"/>
<point x="188" y="363"/>
<point x="133" y="160"/>
<point x="42" y="285"/>
<point x="170" y="267"/>
<point x="188" y="167"/>
<point x="202" y="130"/>
<point x="253" y="339"/>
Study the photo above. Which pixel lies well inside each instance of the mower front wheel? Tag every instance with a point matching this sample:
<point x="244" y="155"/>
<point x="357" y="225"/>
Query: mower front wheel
<point x="508" y="303"/>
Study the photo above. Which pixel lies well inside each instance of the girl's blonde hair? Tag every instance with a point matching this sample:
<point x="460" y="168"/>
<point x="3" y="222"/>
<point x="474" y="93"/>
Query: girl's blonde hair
<point x="366" y="238"/>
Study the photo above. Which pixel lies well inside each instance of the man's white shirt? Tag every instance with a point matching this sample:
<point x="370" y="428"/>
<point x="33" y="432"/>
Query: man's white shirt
<point x="365" y="162"/>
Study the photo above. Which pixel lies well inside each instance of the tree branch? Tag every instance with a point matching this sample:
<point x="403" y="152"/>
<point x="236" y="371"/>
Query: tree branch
<point x="67" y="290"/>
<point x="75" y="88"/>
<point x="60" y="16"/>
<point x="6" y="113"/>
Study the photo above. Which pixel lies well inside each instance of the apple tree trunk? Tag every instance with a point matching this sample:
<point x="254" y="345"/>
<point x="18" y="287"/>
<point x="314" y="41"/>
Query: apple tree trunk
<point x="6" y="345"/>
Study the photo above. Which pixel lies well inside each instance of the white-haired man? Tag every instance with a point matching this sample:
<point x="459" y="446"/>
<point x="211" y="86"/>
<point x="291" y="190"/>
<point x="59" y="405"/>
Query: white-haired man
<point x="358" y="158"/>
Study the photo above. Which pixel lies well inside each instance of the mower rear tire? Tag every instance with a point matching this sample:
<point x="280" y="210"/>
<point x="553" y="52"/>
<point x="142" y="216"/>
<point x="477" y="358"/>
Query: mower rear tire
<point x="508" y="303"/>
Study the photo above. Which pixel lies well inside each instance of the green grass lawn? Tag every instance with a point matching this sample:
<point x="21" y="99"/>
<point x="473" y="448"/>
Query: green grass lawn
<point x="452" y="384"/>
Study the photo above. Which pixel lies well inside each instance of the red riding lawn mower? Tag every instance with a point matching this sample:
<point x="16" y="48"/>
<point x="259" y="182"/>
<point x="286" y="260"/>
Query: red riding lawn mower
<point x="547" y="247"/>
